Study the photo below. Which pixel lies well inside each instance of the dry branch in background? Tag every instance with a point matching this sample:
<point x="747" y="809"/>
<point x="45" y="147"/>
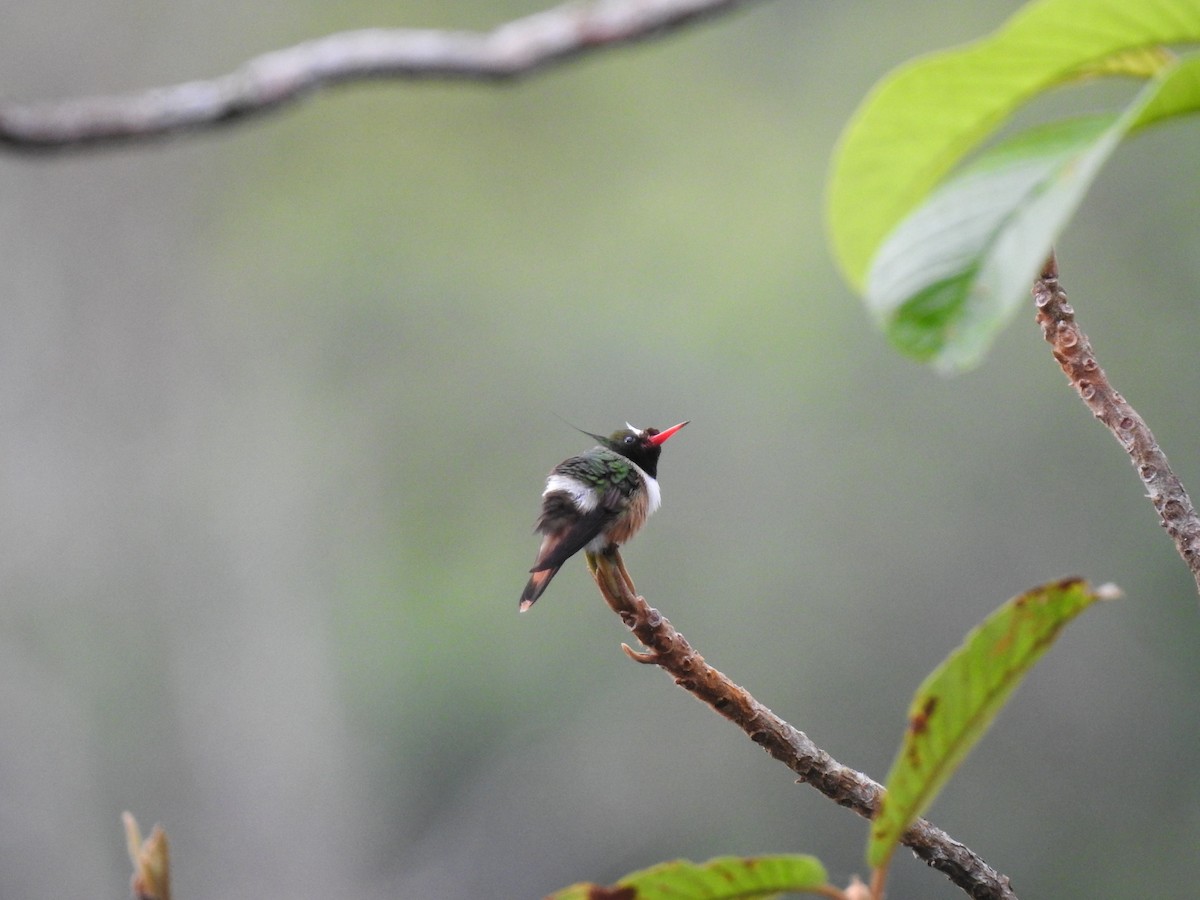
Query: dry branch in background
<point x="265" y="83"/>
<point x="1074" y="353"/>
<point x="669" y="650"/>
<point x="151" y="860"/>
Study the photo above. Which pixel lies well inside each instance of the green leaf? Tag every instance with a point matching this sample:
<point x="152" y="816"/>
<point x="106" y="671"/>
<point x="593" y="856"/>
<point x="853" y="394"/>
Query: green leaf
<point x="954" y="706"/>
<point x="1140" y="62"/>
<point x="1176" y="93"/>
<point x="956" y="269"/>
<point x="921" y="120"/>
<point x="722" y="878"/>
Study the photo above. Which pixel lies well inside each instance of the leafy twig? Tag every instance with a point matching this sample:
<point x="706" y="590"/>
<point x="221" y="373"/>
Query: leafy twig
<point x="264" y="83"/>
<point x="1074" y="353"/>
<point x="668" y="649"/>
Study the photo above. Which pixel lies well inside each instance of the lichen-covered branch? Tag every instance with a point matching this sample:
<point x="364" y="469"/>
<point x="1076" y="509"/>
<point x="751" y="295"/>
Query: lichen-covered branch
<point x="1074" y="353"/>
<point x="670" y="650"/>
<point x="267" y="82"/>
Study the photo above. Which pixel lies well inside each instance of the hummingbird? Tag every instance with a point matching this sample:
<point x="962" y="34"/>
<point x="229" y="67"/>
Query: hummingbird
<point x="597" y="500"/>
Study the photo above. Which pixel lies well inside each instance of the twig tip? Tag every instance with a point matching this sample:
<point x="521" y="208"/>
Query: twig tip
<point x="646" y="657"/>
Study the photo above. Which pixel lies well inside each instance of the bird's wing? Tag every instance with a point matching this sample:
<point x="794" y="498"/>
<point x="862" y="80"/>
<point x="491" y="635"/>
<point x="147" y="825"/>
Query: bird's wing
<point x="562" y="543"/>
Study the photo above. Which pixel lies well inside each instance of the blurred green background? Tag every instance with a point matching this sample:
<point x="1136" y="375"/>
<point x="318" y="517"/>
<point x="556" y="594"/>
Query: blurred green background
<point x="276" y="403"/>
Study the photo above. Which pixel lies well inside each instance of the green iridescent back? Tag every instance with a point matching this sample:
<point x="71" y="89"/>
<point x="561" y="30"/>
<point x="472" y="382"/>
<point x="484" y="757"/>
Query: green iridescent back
<point x="601" y="468"/>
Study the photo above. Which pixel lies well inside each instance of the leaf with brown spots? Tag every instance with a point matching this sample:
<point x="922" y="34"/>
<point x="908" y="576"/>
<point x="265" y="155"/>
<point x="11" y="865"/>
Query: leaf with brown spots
<point x="954" y="706"/>
<point x="723" y="878"/>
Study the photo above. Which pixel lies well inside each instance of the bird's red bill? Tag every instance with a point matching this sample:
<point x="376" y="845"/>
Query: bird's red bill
<point x="661" y="437"/>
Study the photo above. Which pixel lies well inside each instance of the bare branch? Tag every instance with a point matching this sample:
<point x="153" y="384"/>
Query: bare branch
<point x="151" y="860"/>
<point x="267" y="82"/>
<point x="669" y="650"/>
<point x="1074" y="353"/>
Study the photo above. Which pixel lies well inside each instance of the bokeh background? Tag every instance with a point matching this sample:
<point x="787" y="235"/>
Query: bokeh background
<point x="276" y="403"/>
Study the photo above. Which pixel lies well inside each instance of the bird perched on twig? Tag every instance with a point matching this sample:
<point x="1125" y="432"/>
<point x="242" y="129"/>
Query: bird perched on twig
<point x="597" y="500"/>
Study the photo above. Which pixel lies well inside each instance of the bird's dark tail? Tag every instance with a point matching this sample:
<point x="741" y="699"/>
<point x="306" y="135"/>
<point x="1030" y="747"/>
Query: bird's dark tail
<point x="538" y="583"/>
